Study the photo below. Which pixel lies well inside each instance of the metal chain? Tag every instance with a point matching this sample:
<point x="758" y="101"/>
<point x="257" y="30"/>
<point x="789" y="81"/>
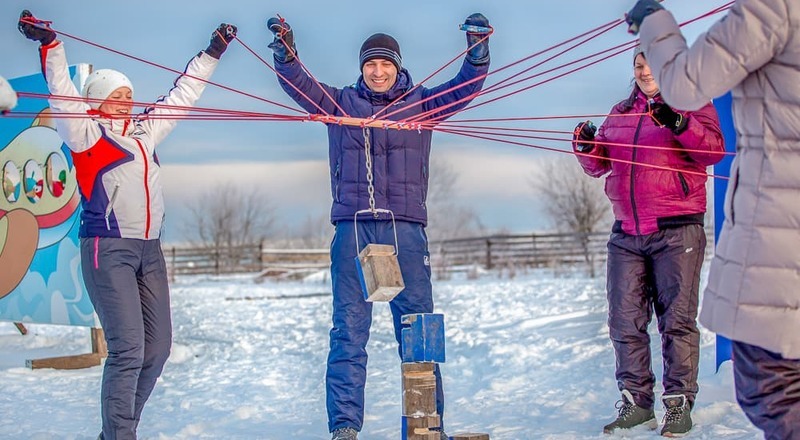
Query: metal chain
<point x="370" y="186"/>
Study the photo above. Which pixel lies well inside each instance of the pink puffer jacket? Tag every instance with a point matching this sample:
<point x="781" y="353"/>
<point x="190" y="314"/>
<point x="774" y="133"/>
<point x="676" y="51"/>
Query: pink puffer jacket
<point x="651" y="189"/>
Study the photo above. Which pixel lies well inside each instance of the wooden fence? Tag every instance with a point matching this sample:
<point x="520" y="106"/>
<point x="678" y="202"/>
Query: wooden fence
<point x="497" y="251"/>
<point x="243" y="259"/>
<point x="528" y="250"/>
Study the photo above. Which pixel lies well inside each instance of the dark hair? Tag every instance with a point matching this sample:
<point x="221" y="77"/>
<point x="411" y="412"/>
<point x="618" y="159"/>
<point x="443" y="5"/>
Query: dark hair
<point x="626" y="104"/>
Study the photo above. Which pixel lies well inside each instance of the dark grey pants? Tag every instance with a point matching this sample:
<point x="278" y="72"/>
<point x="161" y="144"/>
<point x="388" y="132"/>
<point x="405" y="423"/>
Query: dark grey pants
<point x="658" y="272"/>
<point x="768" y="390"/>
<point x="127" y="283"/>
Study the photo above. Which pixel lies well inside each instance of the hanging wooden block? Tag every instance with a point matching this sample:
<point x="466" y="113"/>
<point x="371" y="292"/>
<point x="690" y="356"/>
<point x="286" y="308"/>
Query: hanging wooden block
<point x="470" y="436"/>
<point x="419" y="390"/>
<point x="379" y="272"/>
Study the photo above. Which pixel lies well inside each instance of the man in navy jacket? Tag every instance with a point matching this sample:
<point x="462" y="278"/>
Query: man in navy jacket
<point x="399" y="183"/>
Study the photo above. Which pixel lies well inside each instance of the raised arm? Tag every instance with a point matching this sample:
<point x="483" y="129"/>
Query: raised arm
<point x="291" y="76"/>
<point x="473" y="70"/>
<point x="78" y="133"/>
<point x="752" y="33"/>
<point x="188" y="87"/>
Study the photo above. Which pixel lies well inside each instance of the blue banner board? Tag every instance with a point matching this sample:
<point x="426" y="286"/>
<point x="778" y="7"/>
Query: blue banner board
<point x="723" y="105"/>
<point x="40" y="279"/>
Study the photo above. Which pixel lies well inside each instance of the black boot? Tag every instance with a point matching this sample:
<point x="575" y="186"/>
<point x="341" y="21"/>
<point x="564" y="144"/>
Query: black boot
<point x="631" y="415"/>
<point x="678" y="419"/>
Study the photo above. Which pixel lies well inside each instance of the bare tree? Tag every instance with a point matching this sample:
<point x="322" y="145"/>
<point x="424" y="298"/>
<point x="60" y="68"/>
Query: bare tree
<point x="315" y="232"/>
<point x="225" y="218"/>
<point x="446" y="218"/>
<point x="575" y="202"/>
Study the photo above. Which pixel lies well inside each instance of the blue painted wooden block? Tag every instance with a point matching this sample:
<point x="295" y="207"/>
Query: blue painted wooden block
<point x="423" y="337"/>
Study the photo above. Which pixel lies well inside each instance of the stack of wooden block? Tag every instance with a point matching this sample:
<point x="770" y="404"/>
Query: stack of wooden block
<point x="422" y="348"/>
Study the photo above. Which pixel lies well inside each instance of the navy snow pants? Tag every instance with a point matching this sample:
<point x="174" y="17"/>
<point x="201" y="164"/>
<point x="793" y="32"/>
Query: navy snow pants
<point x="768" y="390"/>
<point x="658" y="272"/>
<point x="352" y="315"/>
<point x="127" y="282"/>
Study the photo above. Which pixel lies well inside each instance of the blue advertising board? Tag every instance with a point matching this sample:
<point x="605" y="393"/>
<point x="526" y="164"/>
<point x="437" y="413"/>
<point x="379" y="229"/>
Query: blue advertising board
<point x="40" y="271"/>
<point x="723" y="104"/>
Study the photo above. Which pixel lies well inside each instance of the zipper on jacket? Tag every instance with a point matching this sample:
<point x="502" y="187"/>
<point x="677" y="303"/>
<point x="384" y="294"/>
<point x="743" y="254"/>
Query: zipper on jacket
<point x="633" y="169"/>
<point x="111" y="205"/>
<point x="146" y="189"/>
<point x="422" y="191"/>
<point x="684" y="184"/>
<point x="337" y="179"/>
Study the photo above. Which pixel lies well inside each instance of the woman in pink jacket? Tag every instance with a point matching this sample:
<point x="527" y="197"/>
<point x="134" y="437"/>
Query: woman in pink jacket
<point x="656" y="159"/>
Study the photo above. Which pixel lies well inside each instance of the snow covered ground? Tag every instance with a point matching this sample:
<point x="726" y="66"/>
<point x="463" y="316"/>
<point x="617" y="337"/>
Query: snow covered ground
<point x="527" y="358"/>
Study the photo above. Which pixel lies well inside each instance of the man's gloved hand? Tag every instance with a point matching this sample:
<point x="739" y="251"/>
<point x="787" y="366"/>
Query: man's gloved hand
<point x="665" y="116"/>
<point x="220" y="39"/>
<point x="479" y="54"/>
<point x="640" y="10"/>
<point x="584" y="131"/>
<point x="40" y="31"/>
<point x="283" y="44"/>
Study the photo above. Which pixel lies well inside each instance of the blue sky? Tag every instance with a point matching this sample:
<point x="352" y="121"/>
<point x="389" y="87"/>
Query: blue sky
<point x="288" y="160"/>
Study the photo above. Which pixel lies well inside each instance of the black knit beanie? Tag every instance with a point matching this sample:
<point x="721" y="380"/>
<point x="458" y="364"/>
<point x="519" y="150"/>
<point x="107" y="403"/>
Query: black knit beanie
<point x="380" y="46"/>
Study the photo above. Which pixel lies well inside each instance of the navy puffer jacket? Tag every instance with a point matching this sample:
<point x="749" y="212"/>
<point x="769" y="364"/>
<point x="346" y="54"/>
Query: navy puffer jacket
<point x="400" y="158"/>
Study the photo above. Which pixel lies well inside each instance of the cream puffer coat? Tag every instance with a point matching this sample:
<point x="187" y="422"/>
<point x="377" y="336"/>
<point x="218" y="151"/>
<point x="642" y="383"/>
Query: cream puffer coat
<point x="753" y="293"/>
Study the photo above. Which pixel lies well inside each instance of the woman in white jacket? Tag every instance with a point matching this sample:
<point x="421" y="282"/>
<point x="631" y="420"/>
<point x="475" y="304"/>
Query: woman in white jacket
<point x="123" y="208"/>
<point x="753" y="293"/>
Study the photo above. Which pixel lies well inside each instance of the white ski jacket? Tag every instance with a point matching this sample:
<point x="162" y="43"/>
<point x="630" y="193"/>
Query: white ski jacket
<point x="115" y="160"/>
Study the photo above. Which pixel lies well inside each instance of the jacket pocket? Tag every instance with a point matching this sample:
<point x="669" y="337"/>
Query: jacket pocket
<point x="423" y="191"/>
<point x="733" y="185"/>
<point x="110" y="206"/>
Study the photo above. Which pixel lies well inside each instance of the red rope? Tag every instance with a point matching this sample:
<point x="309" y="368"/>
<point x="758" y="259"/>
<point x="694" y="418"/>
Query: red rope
<point x="222" y="117"/>
<point x="168" y="68"/>
<point x="594" y="33"/>
<point x="281" y="76"/>
<point x="475" y="132"/>
<point x="491" y="132"/>
<point x="627" y="47"/>
<point x="159" y="106"/>
<point x="457" y="57"/>
<point x="310" y="75"/>
<point x="601" y="29"/>
<point x="557" y="150"/>
<point x="539" y="118"/>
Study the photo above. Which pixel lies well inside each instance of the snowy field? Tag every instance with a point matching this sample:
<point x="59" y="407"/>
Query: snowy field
<point x="527" y="358"/>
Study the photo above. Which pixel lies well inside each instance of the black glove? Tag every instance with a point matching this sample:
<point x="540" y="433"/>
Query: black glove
<point x="220" y="39"/>
<point x="283" y="44"/>
<point x="479" y="54"/>
<point x="665" y="116"/>
<point x="640" y="10"/>
<point x="584" y="131"/>
<point x="40" y="31"/>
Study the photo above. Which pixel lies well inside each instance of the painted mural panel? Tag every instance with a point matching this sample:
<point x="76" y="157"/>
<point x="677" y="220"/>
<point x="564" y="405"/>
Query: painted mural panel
<point x="40" y="272"/>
